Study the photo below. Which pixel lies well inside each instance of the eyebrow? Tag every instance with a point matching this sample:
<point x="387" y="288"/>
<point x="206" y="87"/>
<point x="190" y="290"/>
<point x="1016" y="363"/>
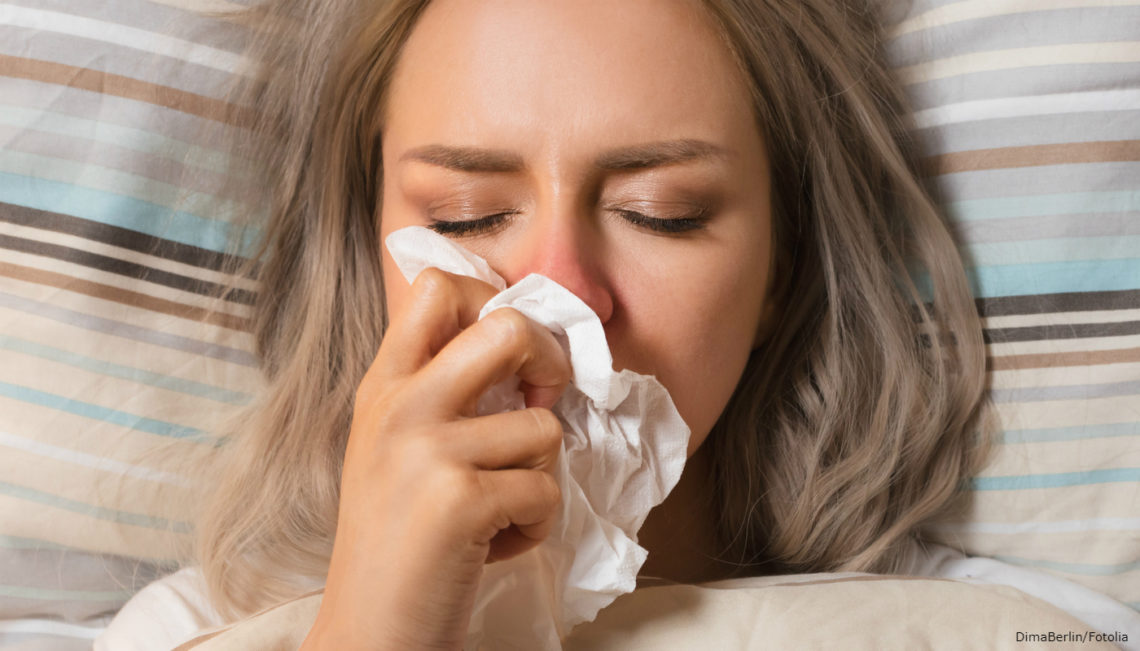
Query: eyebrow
<point x="467" y="159"/>
<point x="656" y="154"/>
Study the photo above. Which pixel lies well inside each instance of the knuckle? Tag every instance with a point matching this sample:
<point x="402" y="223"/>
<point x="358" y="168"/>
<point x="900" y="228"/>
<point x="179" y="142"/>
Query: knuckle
<point x="432" y="284"/>
<point x="549" y="428"/>
<point x="491" y="511"/>
<point x="451" y="489"/>
<point x="549" y="491"/>
<point x="565" y="369"/>
<point x="509" y="327"/>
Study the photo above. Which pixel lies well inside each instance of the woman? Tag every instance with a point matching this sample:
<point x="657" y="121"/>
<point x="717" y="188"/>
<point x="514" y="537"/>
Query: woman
<point x="726" y="183"/>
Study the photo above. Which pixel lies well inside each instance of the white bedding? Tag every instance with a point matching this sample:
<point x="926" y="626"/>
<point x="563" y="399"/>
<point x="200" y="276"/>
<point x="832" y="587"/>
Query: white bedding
<point x="174" y="610"/>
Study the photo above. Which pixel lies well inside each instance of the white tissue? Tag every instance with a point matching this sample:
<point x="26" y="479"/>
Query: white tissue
<point x="623" y="451"/>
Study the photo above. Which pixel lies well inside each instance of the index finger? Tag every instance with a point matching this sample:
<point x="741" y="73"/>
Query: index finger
<point x="440" y="306"/>
<point x="503" y="344"/>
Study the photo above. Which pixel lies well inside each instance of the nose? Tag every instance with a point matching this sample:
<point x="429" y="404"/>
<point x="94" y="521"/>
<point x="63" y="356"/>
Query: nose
<point x="564" y="246"/>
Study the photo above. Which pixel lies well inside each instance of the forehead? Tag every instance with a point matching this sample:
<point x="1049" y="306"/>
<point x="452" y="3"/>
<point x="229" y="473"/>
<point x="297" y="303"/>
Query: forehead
<point x="548" y="73"/>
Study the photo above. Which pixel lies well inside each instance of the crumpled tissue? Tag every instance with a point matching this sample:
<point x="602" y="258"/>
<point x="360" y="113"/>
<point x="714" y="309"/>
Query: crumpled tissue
<point x="623" y="451"/>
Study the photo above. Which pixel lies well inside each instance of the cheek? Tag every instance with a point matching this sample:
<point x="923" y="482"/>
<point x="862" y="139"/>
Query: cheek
<point x="704" y="373"/>
<point x="696" y="338"/>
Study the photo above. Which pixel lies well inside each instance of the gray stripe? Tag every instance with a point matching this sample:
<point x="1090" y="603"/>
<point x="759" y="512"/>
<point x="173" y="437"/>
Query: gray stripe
<point x="1048" y="227"/>
<point x="1036" y="80"/>
<point x="152" y="17"/>
<point x="128" y="331"/>
<point x="112" y="58"/>
<point x="1045" y="179"/>
<point x="118" y="236"/>
<point x="1075" y="392"/>
<point x="1066" y="302"/>
<point x="143" y="164"/>
<point x="921" y="6"/>
<point x="896" y="11"/>
<point x="72" y="569"/>
<point x="129" y="269"/>
<point x="1031" y="130"/>
<point x="111" y="109"/>
<point x="1056" y="331"/>
<point x="1028" y="29"/>
<point x="43" y="641"/>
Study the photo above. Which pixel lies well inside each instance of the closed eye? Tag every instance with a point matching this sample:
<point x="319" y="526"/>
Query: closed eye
<point x="488" y="223"/>
<point x="662" y="225"/>
<point x="467" y="227"/>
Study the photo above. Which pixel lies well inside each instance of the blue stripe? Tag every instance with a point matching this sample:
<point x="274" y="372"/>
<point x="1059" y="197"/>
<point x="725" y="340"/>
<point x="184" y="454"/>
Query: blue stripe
<point x="124" y="517"/>
<point x="132" y="374"/>
<point x="15" y="542"/>
<point x="1066" y="392"/>
<point x="1055" y="480"/>
<point x="1134" y="605"/>
<point x="118" y="210"/>
<point x="1055" y="278"/>
<point x="1060" y="249"/>
<point x="97" y="412"/>
<point x="1047" y="435"/>
<point x="1088" y="569"/>
<point x="1073" y="203"/>
<point x="56" y="594"/>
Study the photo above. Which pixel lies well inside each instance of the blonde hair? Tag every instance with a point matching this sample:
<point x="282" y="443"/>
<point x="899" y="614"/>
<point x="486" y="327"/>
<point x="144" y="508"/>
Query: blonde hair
<point x="854" y="423"/>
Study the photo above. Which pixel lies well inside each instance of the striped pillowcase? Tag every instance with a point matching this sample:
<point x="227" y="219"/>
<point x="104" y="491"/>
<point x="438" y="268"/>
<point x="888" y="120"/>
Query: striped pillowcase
<point x="1030" y="114"/>
<point x="111" y="367"/>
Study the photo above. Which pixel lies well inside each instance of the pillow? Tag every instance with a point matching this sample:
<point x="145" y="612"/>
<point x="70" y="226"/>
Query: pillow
<point x="1029" y="115"/>
<point x="820" y="611"/>
<point x="107" y="350"/>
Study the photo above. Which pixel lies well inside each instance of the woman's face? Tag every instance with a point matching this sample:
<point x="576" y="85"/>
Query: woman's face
<point x="607" y="145"/>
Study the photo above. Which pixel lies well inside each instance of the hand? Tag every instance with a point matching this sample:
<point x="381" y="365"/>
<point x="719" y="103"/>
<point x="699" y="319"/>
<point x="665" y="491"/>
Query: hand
<point x="429" y="491"/>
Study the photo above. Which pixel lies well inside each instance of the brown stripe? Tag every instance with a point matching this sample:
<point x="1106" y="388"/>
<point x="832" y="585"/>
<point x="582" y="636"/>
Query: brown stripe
<point x="1064" y="302"/>
<point x="1032" y="156"/>
<point x="117" y="236"/>
<point x="1052" y="360"/>
<point x="106" y="83"/>
<point x="126" y="297"/>
<point x="125" y="268"/>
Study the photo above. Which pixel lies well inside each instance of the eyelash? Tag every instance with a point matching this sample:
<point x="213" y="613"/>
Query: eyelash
<point x="463" y="227"/>
<point x="470" y="227"/>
